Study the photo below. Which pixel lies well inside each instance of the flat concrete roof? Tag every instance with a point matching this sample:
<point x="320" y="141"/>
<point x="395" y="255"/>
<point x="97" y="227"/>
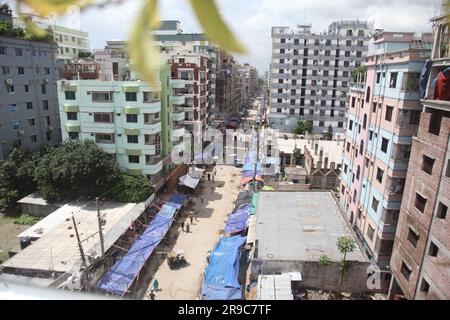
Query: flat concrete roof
<point x="58" y="249"/>
<point x="331" y="148"/>
<point x="300" y="226"/>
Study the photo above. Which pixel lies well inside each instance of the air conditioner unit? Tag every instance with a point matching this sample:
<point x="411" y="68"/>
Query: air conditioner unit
<point x="9" y="81"/>
<point x="21" y="132"/>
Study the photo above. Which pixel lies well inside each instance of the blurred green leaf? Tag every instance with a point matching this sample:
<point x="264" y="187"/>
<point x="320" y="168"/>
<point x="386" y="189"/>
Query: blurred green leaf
<point x="214" y="26"/>
<point x="46" y="7"/>
<point x="145" y="56"/>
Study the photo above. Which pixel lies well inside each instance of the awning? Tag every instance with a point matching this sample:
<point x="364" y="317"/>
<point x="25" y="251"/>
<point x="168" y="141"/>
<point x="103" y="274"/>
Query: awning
<point x="237" y="220"/>
<point x="189" y="181"/>
<point x="122" y="274"/>
<point x="71" y="108"/>
<point x="72" y="128"/>
<point x="221" y="276"/>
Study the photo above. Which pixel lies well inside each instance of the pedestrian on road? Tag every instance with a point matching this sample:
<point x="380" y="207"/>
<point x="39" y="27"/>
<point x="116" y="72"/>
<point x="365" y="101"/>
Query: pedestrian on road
<point x="201" y="198"/>
<point x="212" y="189"/>
<point x="213" y="179"/>
<point x="182" y="225"/>
<point x="188" y="227"/>
<point x="209" y="177"/>
<point x="152" y="295"/>
<point x="155" y="285"/>
<point x="191" y="216"/>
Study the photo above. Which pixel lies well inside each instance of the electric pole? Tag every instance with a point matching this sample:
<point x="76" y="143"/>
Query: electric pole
<point x="80" y="247"/>
<point x="102" y="244"/>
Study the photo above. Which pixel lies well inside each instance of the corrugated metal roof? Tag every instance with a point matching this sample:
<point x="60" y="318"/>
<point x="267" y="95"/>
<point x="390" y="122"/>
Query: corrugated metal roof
<point x="275" y="287"/>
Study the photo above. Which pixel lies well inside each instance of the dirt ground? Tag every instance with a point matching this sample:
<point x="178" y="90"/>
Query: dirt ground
<point x="8" y="235"/>
<point x="185" y="282"/>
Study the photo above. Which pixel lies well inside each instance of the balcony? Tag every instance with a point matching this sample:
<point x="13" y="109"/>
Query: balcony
<point x="178" y="83"/>
<point x="178" y="131"/>
<point x="401" y="153"/>
<point x="178" y="115"/>
<point x="178" y="99"/>
<point x="395" y="187"/>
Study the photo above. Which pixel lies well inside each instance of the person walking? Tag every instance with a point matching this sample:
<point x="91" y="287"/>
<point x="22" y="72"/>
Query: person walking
<point x="212" y="189"/>
<point x="152" y="295"/>
<point x="155" y="285"/>
<point x="191" y="216"/>
<point x="213" y="179"/>
<point x="187" y="227"/>
<point x="182" y="225"/>
<point x="209" y="177"/>
<point x="201" y="198"/>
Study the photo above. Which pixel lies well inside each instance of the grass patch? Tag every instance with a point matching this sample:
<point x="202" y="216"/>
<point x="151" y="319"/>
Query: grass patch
<point x="3" y="256"/>
<point x="26" y="219"/>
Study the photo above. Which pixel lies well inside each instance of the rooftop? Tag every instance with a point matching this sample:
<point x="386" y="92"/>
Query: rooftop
<point x="300" y="226"/>
<point x="331" y="148"/>
<point x="57" y="251"/>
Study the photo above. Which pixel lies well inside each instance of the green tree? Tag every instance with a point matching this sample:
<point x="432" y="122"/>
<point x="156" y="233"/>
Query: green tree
<point x="357" y="71"/>
<point x="132" y="189"/>
<point x="76" y="170"/>
<point x="329" y="134"/>
<point x="17" y="175"/>
<point x="296" y="154"/>
<point x="345" y="245"/>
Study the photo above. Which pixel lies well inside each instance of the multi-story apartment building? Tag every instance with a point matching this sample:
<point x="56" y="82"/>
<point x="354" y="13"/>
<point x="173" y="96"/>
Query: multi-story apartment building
<point x="383" y="115"/>
<point x="420" y="260"/>
<point x="310" y="74"/>
<point x="225" y="105"/>
<point x="127" y="118"/>
<point x="172" y="40"/>
<point x="192" y="91"/>
<point x="70" y="41"/>
<point x="248" y="82"/>
<point x="28" y="99"/>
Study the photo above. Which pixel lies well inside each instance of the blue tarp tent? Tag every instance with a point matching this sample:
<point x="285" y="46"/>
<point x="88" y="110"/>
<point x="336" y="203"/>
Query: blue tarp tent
<point x="238" y="220"/>
<point x="221" y="276"/>
<point x="120" y="277"/>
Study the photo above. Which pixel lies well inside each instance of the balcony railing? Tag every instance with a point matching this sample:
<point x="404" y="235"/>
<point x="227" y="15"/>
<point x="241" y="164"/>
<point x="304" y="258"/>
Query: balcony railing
<point x="396" y="186"/>
<point x="401" y="153"/>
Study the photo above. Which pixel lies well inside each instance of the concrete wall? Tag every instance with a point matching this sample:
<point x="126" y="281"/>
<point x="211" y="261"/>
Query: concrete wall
<point x="315" y="276"/>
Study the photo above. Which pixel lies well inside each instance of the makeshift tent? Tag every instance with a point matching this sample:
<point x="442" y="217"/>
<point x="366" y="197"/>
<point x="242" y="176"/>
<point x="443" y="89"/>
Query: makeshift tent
<point x="238" y="220"/>
<point x="122" y="274"/>
<point x="244" y="198"/>
<point x="221" y="276"/>
<point x="188" y="181"/>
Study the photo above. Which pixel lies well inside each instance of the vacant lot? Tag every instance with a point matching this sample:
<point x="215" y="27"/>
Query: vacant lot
<point x="8" y="235"/>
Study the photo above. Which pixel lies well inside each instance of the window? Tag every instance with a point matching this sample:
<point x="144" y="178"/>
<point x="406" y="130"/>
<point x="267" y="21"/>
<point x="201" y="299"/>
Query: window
<point x="374" y="107"/>
<point x="133" y="118"/>
<point x="292" y="102"/>
<point x="420" y="202"/>
<point x="321" y="124"/>
<point x="20" y="70"/>
<point x="45" y="104"/>
<point x="447" y="171"/>
<point x="345" y="168"/>
<point x="70" y="95"/>
<point x="350" y="125"/>
<point x="353" y="101"/>
<point x="358" y="172"/>
<point x="367" y="96"/>
<point x="374" y="204"/>
<point x="72" y="116"/>
<point x="47" y="120"/>
<point x="348" y="146"/>
<point x="370" y="232"/>
<point x="27" y="88"/>
<point x="384" y="144"/>
<point x="31" y="122"/>
<point x="104" y="138"/>
<point x="433" y="249"/>
<point x="73" y="135"/>
<point x="388" y="116"/>
<point x="405" y="270"/>
<point x="413" y="237"/>
<point x="2" y="51"/>
<point x="132" y="139"/>
<point x="424" y="286"/>
<point x="441" y="211"/>
<point x="393" y="82"/>
<point x="43" y="88"/>
<point x="427" y="164"/>
<point x="10" y="89"/>
<point x="19" y="52"/>
<point x="29" y="105"/>
<point x="33" y="138"/>
<point x="130" y="96"/>
<point x="103" y="117"/>
<point x="102" y="96"/>
<point x="49" y="135"/>
<point x="133" y="159"/>
<point x="380" y="174"/>
<point x="37" y="69"/>
<point x="5" y="70"/>
<point x="282" y="40"/>
<point x="340" y="124"/>
<point x="435" y="122"/>
<point x="378" y="77"/>
<point x="365" y="121"/>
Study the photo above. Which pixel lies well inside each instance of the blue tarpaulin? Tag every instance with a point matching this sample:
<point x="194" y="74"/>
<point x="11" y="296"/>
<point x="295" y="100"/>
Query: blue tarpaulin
<point x="120" y="277"/>
<point x="221" y="276"/>
<point x="238" y="220"/>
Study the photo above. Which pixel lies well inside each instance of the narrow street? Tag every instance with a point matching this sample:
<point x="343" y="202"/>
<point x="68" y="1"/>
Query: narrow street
<point x="185" y="283"/>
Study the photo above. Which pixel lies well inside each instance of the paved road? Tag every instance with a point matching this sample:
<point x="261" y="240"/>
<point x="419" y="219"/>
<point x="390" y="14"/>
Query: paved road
<point x="185" y="283"/>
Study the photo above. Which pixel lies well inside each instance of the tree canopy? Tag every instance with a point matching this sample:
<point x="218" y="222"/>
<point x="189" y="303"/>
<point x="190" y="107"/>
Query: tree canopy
<point x="132" y="189"/>
<point x="303" y="127"/>
<point x="76" y="170"/>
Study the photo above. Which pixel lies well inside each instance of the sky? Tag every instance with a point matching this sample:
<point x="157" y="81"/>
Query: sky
<point x="251" y="20"/>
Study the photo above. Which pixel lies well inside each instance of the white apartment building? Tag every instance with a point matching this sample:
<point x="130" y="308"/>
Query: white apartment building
<point x="310" y="74"/>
